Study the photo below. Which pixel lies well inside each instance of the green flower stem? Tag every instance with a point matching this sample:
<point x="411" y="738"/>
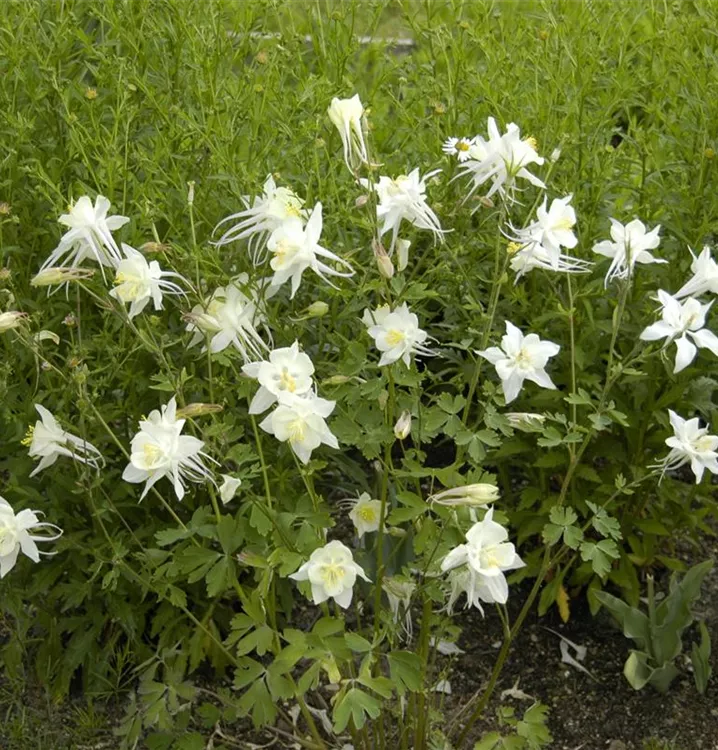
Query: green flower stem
<point x="421" y="710"/>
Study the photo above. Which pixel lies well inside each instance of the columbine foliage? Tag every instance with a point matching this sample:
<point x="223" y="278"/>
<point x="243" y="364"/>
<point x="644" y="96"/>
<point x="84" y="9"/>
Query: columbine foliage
<point x="235" y="164"/>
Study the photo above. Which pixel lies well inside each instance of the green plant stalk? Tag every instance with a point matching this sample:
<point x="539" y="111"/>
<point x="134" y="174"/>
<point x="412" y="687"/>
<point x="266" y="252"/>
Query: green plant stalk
<point x="572" y="339"/>
<point x="420" y="735"/>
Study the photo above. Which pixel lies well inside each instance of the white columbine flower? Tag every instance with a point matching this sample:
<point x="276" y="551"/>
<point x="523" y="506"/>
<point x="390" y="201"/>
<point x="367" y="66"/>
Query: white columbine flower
<point x="16" y="535"/>
<point x="520" y="358"/>
<point x="230" y="317"/>
<point x="396" y="333"/>
<point x="404" y="198"/>
<point x="160" y="450"/>
<point x="295" y="248"/>
<point x="691" y="444"/>
<point x="287" y="371"/>
<point x="399" y="592"/>
<point x="11" y="319"/>
<point x="89" y="235"/>
<point x="683" y="324"/>
<point x="471" y="495"/>
<point x="300" y="420"/>
<point x="487" y="555"/>
<point x="229" y="488"/>
<point x="346" y="115"/>
<point x="332" y="572"/>
<point x="47" y="441"/>
<point x="138" y="282"/>
<point x="365" y="514"/>
<point x="267" y="213"/>
<point x="458" y="147"/>
<point x="629" y="244"/>
<point x="705" y="276"/>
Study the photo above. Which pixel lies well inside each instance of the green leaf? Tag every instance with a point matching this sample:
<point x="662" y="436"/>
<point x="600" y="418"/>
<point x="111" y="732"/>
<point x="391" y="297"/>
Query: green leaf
<point x="218" y="579"/>
<point x="600" y="555"/>
<point x="488" y="741"/>
<point x="634" y="622"/>
<point x="533" y="727"/>
<point x="355" y="705"/>
<point x="700" y="659"/>
<point x="357" y="643"/>
<point x="405" y="671"/>
<point x="258" y="702"/>
<point x="604" y="524"/>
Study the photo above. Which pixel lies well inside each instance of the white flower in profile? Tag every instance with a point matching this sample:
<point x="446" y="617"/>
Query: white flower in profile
<point x="332" y="573"/>
<point x="705" y="276"/>
<point x="266" y="213"/>
<point x="365" y="514"/>
<point x="89" y="235"/>
<point x="487" y="555"/>
<point x="458" y="147"/>
<point x="138" y="282"/>
<point x="296" y="247"/>
<point x="230" y="317"/>
<point x="229" y="488"/>
<point x="287" y="370"/>
<point x="520" y="358"/>
<point x="300" y="420"/>
<point x="346" y="116"/>
<point x="16" y="535"/>
<point x="160" y="450"/>
<point x="470" y="495"/>
<point x="629" y="244"/>
<point x="11" y="319"/>
<point x="684" y="325"/>
<point x="48" y="441"/>
<point x="404" y="198"/>
<point x="396" y="333"/>
<point x="399" y="592"/>
<point x="692" y="444"/>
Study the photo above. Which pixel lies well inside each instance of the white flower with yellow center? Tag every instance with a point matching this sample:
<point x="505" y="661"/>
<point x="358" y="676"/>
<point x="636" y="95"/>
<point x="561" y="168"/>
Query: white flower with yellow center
<point x="404" y="198"/>
<point x="48" y="441"/>
<point x="89" y="235"/>
<point x="629" y="244"/>
<point x="287" y="371"/>
<point x="295" y="247"/>
<point x="300" y="421"/>
<point x="267" y="213"/>
<point x="458" y="147"/>
<point x="332" y="573"/>
<point x="705" y="276"/>
<point x="160" y="450"/>
<point x="691" y="444"/>
<point x="365" y="514"/>
<point x="16" y="535"/>
<point x="396" y="334"/>
<point x="346" y="116"/>
<point x="684" y="325"/>
<point x="137" y="282"/>
<point x="520" y="358"/>
<point x="487" y="555"/>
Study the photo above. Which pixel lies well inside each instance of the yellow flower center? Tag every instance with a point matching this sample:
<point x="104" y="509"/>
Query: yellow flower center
<point x="152" y="454"/>
<point x="292" y="210"/>
<point x="564" y="223"/>
<point x="512" y="248"/>
<point x="703" y="444"/>
<point x="29" y="435"/>
<point x="531" y="141"/>
<point x="462" y="146"/>
<point x="287" y="382"/>
<point x="395" y="337"/>
<point x="297" y="431"/>
<point x="332" y="574"/>
<point x="367" y="513"/>
<point x="523" y="359"/>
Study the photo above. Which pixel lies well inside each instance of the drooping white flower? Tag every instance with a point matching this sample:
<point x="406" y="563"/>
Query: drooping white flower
<point x="705" y="276"/>
<point x="287" y="371"/>
<point x="404" y="198"/>
<point x="458" y="147"/>
<point x="402" y="428"/>
<point x="296" y="247"/>
<point x="692" y="444"/>
<point x="365" y="514"/>
<point x="332" y="573"/>
<point x="629" y="244"/>
<point x="399" y="592"/>
<point x="11" y="319"/>
<point x="138" y="282"/>
<point x="300" y="420"/>
<point x="266" y="213"/>
<point x="684" y="325"/>
<point x="89" y="235"/>
<point x="160" y="450"/>
<point x="396" y="333"/>
<point x="47" y="441"/>
<point x="520" y="358"/>
<point x="16" y="535"/>
<point x="230" y="317"/>
<point x="472" y="495"/>
<point x="501" y="159"/>
<point x="60" y="275"/>
<point x="229" y="488"/>
<point x="346" y="116"/>
<point x="487" y="555"/>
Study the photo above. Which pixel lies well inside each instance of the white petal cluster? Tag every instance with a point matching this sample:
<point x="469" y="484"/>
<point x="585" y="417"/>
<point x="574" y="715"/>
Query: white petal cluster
<point x="346" y="115"/>
<point x="458" y="147"/>
<point x="691" y="444"/>
<point x="396" y="333"/>
<point x="16" y="535"/>
<point x="520" y="358"/>
<point x="332" y="573"/>
<point x="365" y="514"/>
<point x="483" y="559"/>
<point x="682" y="324"/>
<point x="705" y="276"/>
<point x="160" y="450"/>
<point x="48" y="441"/>
<point x="629" y="244"/>
<point x="138" y="281"/>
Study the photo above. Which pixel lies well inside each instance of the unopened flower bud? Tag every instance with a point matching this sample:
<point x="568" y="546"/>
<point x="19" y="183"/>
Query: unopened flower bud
<point x="198" y="410"/>
<point x="361" y="201"/>
<point x="190" y="193"/>
<point x="383" y="261"/>
<point x="90" y="93"/>
<point x="485" y="201"/>
<point x="469" y="495"/>
<point x="709" y="153"/>
<point x="402" y="428"/>
<point x="555" y="155"/>
<point x="154" y="247"/>
<point x="402" y="253"/>
<point x="5" y="274"/>
<point x="5" y="208"/>
<point x="59" y="275"/>
<point x="317" y="309"/>
<point x="70" y="320"/>
<point x="336" y="380"/>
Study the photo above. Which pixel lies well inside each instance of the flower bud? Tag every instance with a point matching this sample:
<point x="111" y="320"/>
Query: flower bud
<point x="470" y="495"/>
<point x="190" y="193"/>
<point x="361" y="201"/>
<point x="229" y="487"/>
<point x="5" y="208"/>
<point x="154" y="247"/>
<point x="11" y="319"/>
<point x="336" y="380"/>
<point x="55" y="276"/>
<point x="486" y="201"/>
<point x="198" y="410"/>
<point x="525" y="421"/>
<point x="402" y="428"/>
<point x="402" y="253"/>
<point x="383" y="261"/>
<point x="555" y="155"/>
<point x="317" y="309"/>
